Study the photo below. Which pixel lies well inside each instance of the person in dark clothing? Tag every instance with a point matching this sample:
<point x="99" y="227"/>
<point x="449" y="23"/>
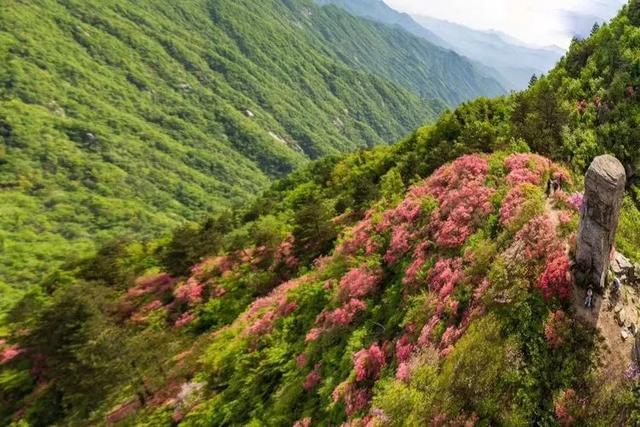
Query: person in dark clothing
<point x="588" y="301"/>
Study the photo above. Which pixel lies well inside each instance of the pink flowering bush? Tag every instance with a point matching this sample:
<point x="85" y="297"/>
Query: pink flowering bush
<point x="185" y="319"/>
<point x="344" y="315"/>
<point x="358" y="282"/>
<point x="341" y="316"/>
<point x="190" y="292"/>
<point x="555" y="281"/>
<point x="404" y="372"/>
<point x="459" y="213"/>
<point x="412" y="275"/>
<point x="10" y="353"/>
<point x="567" y="407"/>
<point x="304" y="422"/>
<point x="512" y="205"/>
<point x="355" y="398"/>
<point x="525" y="168"/>
<point x="538" y="238"/>
<point x="312" y="379"/>
<point x="404" y="348"/>
<point x="459" y="174"/>
<point x="142" y="314"/>
<point x="575" y="201"/>
<point x="359" y="237"/>
<point x="368" y="362"/>
<point x="445" y="275"/>
<point x="557" y="328"/>
<point x="399" y="244"/>
<point x="156" y="284"/>
<point x="463" y="199"/>
<point x="285" y="255"/>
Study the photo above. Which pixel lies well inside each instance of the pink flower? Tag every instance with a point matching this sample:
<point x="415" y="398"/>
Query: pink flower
<point x="404" y="372"/>
<point x="190" y="292"/>
<point x="10" y="353"/>
<point x="556" y="279"/>
<point x="312" y="379"/>
<point x="185" y="319"/>
<point x="304" y="422"/>
<point x="525" y="168"/>
<point x="425" y="333"/>
<point x="358" y="282"/>
<point x="557" y="328"/>
<point x="445" y="275"/>
<point x="404" y="348"/>
<point x="538" y="238"/>
<point x="368" y="363"/>
<point x="301" y="360"/>
<point x="512" y="205"/>
<point x="285" y="255"/>
<point x="313" y="334"/>
<point x="144" y="312"/>
<point x="399" y="244"/>
<point x="344" y="315"/>
<point x="449" y="336"/>
<point x="419" y="259"/>
<point x="359" y="237"/>
<point x="576" y="200"/>
<point x="156" y="283"/>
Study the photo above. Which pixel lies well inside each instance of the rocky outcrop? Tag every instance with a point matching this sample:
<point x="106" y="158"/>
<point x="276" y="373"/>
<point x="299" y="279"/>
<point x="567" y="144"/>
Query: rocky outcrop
<point x="604" y="190"/>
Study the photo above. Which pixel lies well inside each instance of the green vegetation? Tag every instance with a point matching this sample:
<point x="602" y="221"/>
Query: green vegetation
<point x="128" y="119"/>
<point x="426" y="282"/>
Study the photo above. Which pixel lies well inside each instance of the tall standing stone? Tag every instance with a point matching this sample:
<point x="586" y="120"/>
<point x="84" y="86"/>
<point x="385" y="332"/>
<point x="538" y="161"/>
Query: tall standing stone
<point x="604" y="191"/>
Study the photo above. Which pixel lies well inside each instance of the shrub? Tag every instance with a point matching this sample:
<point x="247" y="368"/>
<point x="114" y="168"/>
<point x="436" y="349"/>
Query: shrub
<point x="555" y="281"/>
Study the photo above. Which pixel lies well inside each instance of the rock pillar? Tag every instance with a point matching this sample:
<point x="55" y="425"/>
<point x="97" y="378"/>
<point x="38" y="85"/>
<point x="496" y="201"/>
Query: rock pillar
<point x="604" y="190"/>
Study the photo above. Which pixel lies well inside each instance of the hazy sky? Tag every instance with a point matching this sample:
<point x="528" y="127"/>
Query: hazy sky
<point x="540" y="22"/>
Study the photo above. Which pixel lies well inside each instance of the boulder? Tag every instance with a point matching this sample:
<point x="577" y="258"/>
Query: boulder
<point x="623" y="268"/>
<point x="621" y="317"/>
<point x="604" y="189"/>
<point x="624" y="334"/>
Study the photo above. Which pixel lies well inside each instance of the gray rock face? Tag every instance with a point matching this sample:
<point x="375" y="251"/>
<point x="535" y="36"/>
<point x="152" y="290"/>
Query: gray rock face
<point x="604" y="190"/>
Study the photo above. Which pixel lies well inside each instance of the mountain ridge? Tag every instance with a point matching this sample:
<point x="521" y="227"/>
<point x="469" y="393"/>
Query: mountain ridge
<point x="131" y="120"/>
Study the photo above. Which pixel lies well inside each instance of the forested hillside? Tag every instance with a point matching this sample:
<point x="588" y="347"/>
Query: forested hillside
<point x="122" y="118"/>
<point x="423" y="283"/>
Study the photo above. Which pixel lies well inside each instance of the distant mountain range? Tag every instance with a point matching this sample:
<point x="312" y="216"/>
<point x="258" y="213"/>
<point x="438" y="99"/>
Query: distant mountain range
<point x="495" y="49"/>
<point x="491" y="52"/>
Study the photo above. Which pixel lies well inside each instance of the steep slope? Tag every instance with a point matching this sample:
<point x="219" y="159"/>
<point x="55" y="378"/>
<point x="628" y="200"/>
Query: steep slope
<point x="424" y="68"/>
<point x="378" y="11"/>
<point x="353" y="288"/>
<point x="494" y="50"/>
<point x="129" y="118"/>
<point x="491" y="53"/>
<point x="423" y="283"/>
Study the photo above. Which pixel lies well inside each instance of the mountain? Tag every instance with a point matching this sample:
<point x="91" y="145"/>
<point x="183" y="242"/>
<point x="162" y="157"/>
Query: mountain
<point x="428" y="282"/>
<point x="490" y="52"/>
<point x="496" y="50"/>
<point x="130" y="118"/>
<point x="361" y="289"/>
<point x="378" y="11"/>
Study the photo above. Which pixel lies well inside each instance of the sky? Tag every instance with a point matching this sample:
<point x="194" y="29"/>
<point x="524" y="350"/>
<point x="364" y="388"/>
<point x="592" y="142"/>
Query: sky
<point x="536" y="22"/>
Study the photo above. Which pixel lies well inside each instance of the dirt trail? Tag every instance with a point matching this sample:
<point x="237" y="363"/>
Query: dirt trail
<point x="617" y="352"/>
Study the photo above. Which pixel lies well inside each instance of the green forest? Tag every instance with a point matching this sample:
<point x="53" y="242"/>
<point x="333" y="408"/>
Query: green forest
<point x="425" y="282"/>
<point x="130" y="118"/>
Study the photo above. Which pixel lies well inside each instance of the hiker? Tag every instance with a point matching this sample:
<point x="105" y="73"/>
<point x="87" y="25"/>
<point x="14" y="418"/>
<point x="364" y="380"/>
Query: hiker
<point x="588" y="301"/>
<point x="552" y="186"/>
<point x="549" y="185"/>
<point x="617" y="284"/>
